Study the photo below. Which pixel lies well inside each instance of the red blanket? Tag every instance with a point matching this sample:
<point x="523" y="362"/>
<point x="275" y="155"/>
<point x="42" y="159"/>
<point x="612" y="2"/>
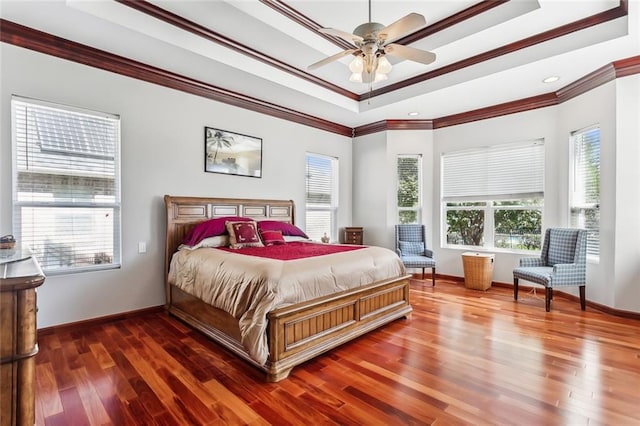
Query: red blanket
<point x="292" y="250"/>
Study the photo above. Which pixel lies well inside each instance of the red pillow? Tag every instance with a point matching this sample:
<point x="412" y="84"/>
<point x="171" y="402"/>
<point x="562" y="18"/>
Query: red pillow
<point x="210" y="228"/>
<point x="243" y="234"/>
<point x="272" y="238"/>
<point x="285" y="228"/>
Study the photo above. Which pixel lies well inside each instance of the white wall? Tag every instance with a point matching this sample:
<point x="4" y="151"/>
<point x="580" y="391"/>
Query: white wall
<point x="371" y="176"/>
<point x="597" y="106"/>
<point x="162" y="153"/>
<point x="613" y="280"/>
<point x="374" y="177"/>
<point x="626" y="291"/>
<point x="535" y="124"/>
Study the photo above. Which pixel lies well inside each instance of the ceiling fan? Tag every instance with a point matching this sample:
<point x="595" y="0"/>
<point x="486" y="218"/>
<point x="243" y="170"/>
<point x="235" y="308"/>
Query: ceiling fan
<point x="372" y="42"/>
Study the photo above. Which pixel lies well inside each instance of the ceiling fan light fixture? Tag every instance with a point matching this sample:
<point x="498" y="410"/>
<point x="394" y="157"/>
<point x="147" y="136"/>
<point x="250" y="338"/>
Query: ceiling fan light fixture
<point x="357" y="65"/>
<point x="380" y="77"/>
<point x="356" y="77"/>
<point x="371" y="42"/>
<point x="384" y="66"/>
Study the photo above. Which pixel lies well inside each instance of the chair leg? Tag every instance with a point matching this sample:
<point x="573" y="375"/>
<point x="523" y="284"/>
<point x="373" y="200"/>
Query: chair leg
<point x="583" y="300"/>
<point x="433" y="277"/>
<point x="547" y="299"/>
<point x="423" y="273"/>
<point x="515" y="288"/>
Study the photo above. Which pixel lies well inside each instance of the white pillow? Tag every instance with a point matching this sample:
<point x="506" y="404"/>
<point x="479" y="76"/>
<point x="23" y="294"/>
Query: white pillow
<point x="217" y="241"/>
<point x="289" y="238"/>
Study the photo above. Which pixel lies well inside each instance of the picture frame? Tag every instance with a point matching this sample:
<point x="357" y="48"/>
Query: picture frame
<point x="232" y="153"/>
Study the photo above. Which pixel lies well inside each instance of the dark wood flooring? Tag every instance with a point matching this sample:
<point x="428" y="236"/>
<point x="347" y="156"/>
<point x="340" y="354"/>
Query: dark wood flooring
<point x="464" y="357"/>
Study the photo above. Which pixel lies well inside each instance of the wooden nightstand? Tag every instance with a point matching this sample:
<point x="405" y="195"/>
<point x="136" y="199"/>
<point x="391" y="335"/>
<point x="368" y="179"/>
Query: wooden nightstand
<point x="353" y="235"/>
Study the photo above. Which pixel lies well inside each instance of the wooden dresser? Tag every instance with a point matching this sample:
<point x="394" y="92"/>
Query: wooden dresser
<point x="19" y="277"/>
<point x="353" y="235"/>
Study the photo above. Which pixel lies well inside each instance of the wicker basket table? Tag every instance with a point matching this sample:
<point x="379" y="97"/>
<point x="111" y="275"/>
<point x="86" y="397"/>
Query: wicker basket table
<point x="478" y="270"/>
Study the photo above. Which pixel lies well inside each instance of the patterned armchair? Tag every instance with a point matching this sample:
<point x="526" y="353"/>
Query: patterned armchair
<point x="562" y="263"/>
<point x="412" y="249"/>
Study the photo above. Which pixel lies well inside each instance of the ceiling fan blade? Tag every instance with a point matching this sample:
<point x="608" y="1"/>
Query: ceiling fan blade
<point x="410" y="53"/>
<point x="342" y="34"/>
<point x="331" y="58"/>
<point x="402" y="26"/>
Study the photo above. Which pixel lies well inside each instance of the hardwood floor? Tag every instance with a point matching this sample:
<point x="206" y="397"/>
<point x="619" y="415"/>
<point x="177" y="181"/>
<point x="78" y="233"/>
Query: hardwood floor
<point x="464" y="357"/>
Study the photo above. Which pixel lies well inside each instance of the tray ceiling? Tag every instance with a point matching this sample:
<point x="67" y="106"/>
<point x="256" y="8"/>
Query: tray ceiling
<point x="488" y="52"/>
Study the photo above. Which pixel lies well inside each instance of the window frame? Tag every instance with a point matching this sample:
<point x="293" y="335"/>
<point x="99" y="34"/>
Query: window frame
<point x="489" y="233"/>
<point x="572" y="205"/>
<point x="334" y="205"/>
<point x="113" y="206"/>
<point x="489" y="202"/>
<point x="419" y="208"/>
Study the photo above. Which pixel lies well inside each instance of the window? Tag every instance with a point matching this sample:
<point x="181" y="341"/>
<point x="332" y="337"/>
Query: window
<point x="585" y="185"/>
<point x="66" y="185"/>
<point x="493" y="197"/>
<point x="321" y="196"/>
<point x="409" y="188"/>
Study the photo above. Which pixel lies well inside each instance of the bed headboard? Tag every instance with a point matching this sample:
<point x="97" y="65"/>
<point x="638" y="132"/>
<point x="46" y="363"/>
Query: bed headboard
<point x="183" y="213"/>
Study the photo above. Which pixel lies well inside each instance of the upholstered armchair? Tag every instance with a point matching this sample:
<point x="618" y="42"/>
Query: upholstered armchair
<point x="412" y="249"/>
<point x="562" y="263"/>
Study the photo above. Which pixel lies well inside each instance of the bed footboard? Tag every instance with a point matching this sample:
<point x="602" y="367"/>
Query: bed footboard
<point x="300" y="332"/>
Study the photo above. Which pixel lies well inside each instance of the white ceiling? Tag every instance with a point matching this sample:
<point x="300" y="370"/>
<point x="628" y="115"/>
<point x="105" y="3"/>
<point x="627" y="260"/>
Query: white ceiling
<point x="125" y="31"/>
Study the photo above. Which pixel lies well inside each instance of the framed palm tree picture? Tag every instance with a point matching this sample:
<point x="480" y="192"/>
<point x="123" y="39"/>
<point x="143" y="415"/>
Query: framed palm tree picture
<point x="232" y="153"/>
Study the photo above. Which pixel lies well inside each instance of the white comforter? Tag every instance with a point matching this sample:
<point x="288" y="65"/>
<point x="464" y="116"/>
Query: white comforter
<point x="248" y="287"/>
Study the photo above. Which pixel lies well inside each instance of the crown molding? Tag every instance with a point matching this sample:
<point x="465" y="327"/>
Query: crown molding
<point x="449" y="21"/>
<point x="39" y="41"/>
<point x="520" y="105"/>
<point x="281" y="7"/>
<point x="628" y="66"/>
<point x="597" y="19"/>
<point x="301" y="19"/>
<point x="384" y="125"/>
<point x="590" y="81"/>
<point x="605" y="74"/>
<point x="19" y="35"/>
<point x="208" y="34"/>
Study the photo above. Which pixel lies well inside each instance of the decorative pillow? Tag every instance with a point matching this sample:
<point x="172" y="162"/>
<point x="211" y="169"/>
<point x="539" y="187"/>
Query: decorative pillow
<point x="412" y="248"/>
<point x="243" y="234"/>
<point x="217" y="241"/>
<point x="285" y="228"/>
<point x="272" y="238"/>
<point x="210" y="228"/>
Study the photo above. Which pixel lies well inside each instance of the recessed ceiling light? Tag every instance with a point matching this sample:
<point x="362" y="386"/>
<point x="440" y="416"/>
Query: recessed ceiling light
<point x="551" y="79"/>
<point x="413" y="113"/>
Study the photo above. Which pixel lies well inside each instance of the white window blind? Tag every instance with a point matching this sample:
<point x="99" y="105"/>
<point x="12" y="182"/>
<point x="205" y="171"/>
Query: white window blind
<point x="409" y="169"/>
<point x="321" y="196"/>
<point x="585" y="194"/>
<point x="505" y="171"/>
<point x="66" y="185"/>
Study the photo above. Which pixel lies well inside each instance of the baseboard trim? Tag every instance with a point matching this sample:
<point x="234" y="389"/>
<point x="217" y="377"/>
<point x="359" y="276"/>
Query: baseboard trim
<point x="556" y="293"/>
<point x="100" y="320"/>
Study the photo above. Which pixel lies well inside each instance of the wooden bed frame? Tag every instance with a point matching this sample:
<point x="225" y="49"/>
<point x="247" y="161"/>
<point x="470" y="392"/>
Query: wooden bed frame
<point x="295" y="333"/>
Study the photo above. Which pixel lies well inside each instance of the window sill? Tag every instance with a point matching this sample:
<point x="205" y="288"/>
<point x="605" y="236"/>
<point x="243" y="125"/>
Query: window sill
<point x="55" y="272"/>
<point x="492" y="250"/>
